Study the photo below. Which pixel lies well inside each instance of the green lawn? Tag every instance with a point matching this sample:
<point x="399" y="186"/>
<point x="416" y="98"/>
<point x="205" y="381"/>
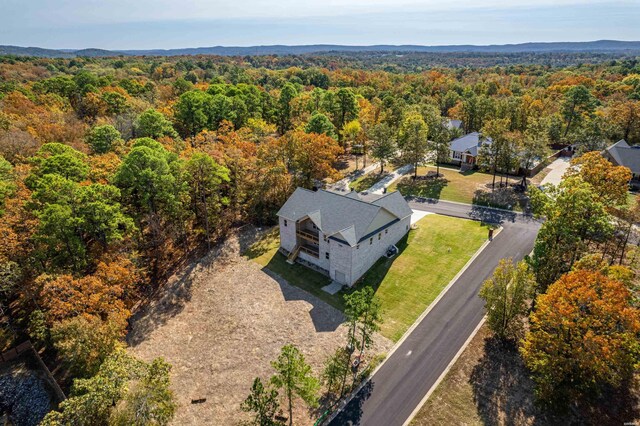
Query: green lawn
<point x="367" y="181"/>
<point x="429" y="258"/>
<point x="472" y="187"/>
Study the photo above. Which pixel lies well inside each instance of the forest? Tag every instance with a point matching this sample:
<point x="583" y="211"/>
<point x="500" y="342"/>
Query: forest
<point x="114" y="172"/>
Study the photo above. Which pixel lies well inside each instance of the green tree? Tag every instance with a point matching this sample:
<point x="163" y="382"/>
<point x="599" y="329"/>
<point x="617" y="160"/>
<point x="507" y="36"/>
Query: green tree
<point x="192" y="112"/>
<point x="205" y="178"/>
<point x="294" y="377"/>
<point x="59" y="159"/>
<point x="84" y="342"/>
<point x="125" y="388"/>
<point x="336" y="369"/>
<point x="383" y="145"/>
<point x="287" y="94"/>
<point x="344" y="108"/>
<point x="578" y="103"/>
<point x="101" y="139"/>
<point x="153" y="124"/>
<point x="506" y="294"/>
<point x="534" y="147"/>
<point x="320" y="123"/>
<point x="412" y="140"/>
<point x="7" y="184"/>
<point x="263" y="403"/>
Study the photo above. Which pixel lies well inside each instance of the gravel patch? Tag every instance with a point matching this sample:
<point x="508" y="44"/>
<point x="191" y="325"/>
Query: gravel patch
<point x="221" y="322"/>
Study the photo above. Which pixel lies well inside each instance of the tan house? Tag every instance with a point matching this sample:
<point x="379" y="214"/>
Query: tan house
<point x="341" y="235"/>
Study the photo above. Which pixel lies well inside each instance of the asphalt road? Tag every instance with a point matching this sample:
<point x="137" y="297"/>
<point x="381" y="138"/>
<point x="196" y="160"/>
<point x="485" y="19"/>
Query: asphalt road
<point x="391" y="395"/>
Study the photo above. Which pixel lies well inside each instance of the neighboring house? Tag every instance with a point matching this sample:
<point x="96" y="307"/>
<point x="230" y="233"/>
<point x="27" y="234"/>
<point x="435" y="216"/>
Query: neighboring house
<point x="622" y="154"/>
<point x="454" y="124"/>
<point x="340" y="235"/>
<point x="465" y="149"/>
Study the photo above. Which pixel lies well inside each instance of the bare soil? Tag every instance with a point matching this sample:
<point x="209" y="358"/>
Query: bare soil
<point x="220" y="323"/>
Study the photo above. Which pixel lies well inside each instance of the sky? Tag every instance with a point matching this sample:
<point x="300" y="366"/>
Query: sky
<point x="166" y="24"/>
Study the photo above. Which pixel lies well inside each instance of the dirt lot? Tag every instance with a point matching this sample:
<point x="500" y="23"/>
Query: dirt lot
<point x="221" y="322"/>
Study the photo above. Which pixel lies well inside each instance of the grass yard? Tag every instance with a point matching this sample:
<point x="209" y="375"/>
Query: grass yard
<point x="367" y="181"/>
<point x="472" y="187"/>
<point x="429" y="258"/>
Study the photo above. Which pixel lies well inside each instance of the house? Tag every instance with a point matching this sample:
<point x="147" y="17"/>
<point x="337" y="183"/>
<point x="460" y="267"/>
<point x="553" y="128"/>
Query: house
<point x="454" y="124"/>
<point x="341" y="235"/>
<point x="464" y="150"/>
<point x="623" y="154"/>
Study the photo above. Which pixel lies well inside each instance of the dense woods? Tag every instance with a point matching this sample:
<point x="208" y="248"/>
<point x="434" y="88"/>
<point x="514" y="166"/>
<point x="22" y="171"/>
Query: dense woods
<point x="114" y="171"/>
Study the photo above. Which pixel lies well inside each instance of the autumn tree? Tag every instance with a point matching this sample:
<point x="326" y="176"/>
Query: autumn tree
<point x="575" y="217"/>
<point x="7" y="184"/>
<point x="309" y="156"/>
<point x="506" y="294"/>
<point x="583" y="336"/>
<point x="294" y="377"/>
<point x="262" y="402"/>
<point x="412" y="140"/>
<point x="383" y="145"/>
<point x="608" y="181"/>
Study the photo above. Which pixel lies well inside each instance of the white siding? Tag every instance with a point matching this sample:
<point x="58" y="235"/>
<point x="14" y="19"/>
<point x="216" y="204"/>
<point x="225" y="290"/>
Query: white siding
<point x="287" y="234"/>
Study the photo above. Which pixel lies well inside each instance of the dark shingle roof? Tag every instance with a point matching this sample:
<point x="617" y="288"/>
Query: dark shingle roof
<point x="347" y="214"/>
<point x="625" y="155"/>
<point x="469" y="143"/>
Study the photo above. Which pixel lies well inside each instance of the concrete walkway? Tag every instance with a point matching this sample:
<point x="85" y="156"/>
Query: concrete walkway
<point x="558" y="168"/>
<point x="378" y="188"/>
<point x="343" y="184"/>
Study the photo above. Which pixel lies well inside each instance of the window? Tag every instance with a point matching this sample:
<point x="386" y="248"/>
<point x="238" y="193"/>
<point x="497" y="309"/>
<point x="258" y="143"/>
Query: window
<point x="326" y="255"/>
<point x="285" y="222"/>
<point x="379" y="236"/>
<point x="358" y="247"/>
<point x="407" y="227"/>
<point x="386" y="231"/>
<point x="370" y="241"/>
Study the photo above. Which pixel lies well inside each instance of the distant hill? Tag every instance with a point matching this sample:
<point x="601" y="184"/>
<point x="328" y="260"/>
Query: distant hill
<point x="600" y="46"/>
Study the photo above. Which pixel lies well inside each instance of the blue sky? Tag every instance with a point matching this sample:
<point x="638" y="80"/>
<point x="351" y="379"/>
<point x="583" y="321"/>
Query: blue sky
<point x="146" y="24"/>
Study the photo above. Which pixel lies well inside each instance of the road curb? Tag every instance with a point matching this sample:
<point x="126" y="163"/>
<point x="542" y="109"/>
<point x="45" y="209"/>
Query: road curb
<point x="413" y="327"/>
<point x="445" y="372"/>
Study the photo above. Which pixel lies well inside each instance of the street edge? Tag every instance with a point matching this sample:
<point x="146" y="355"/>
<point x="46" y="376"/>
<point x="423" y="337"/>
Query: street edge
<point x="445" y="372"/>
<point x="413" y="327"/>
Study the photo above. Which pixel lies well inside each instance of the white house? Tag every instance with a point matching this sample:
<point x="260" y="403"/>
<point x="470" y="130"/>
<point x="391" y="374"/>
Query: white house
<point x="464" y="150"/>
<point x="341" y="235"/>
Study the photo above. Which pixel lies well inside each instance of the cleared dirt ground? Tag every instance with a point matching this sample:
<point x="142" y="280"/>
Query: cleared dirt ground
<point x="221" y="322"/>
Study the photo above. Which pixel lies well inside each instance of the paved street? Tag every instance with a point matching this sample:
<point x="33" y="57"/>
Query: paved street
<point x="392" y="394"/>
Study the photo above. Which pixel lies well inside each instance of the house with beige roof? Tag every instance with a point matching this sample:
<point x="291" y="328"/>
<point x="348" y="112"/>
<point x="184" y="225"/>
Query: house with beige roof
<point x="341" y="235"/>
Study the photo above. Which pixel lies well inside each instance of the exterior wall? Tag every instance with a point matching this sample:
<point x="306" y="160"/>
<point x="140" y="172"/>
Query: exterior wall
<point x="361" y="259"/>
<point x="341" y="258"/>
<point x="287" y="234"/>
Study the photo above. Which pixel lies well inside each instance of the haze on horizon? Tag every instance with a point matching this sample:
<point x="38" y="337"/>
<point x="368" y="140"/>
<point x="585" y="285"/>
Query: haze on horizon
<point x="165" y="24"/>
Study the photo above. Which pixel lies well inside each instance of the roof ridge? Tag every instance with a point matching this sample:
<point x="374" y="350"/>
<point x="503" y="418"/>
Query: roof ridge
<point x="349" y="198"/>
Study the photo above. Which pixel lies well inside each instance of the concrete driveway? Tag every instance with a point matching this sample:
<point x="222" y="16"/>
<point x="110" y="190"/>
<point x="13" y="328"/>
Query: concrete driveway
<point x="558" y="168"/>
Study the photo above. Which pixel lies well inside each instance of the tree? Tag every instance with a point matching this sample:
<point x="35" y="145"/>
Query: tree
<point x="506" y="294"/>
<point x="583" y="336"/>
<point x="192" y="112"/>
<point x="309" y="156"/>
<point x="205" y="179"/>
<point x="85" y="341"/>
<point x="575" y="217"/>
<point x="577" y="104"/>
<point x="59" y="159"/>
<point x="412" y="140"/>
<point x="153" y="124"/>
<point x="336" y="369"/>
<point x="263" y="402"/>
<point x="287" y="94"/>
<point x="101" y="139"/>
<point x="440" y="138"/>
<point x="533" y="147"/>
<point x="491" y="151"/>
<point x="7" y="185"/>
<point x="125" y="390"/>
<point x="610" y="182"/>
<point x="320" y="123"/>
<point x="294" y="377"/>
<point x="383" y="146"/>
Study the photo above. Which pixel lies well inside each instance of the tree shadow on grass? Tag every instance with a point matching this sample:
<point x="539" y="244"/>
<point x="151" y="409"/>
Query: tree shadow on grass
<point x="375" y="275"/>
<point x="504" y="198"/>
<point x="425" y="187"/>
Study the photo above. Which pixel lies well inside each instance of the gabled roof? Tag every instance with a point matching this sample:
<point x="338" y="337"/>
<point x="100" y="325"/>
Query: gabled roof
<point x="454" y="124"/>
<point x="469" y="143"/>
<point x="625" y="155"/>
<point x="344" y="215"/>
